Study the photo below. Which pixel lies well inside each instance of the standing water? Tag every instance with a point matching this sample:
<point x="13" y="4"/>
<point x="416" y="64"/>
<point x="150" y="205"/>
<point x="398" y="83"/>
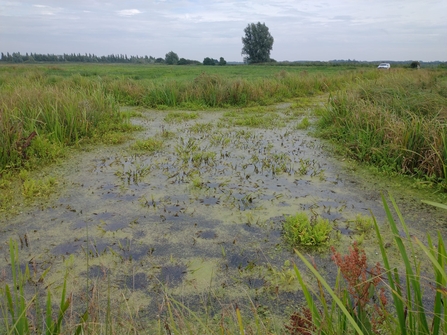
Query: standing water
<point x="200" y="218"/>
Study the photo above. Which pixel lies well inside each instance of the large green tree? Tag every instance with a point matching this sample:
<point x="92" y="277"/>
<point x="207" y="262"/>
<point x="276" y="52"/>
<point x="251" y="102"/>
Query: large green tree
<point x="171" y="58"/>
<point x="257" y="43"/>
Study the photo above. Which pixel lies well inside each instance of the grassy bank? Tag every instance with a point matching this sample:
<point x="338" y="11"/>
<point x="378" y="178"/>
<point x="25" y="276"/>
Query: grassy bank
<point x="40" y="117"/>
<point x="397" y="123"/>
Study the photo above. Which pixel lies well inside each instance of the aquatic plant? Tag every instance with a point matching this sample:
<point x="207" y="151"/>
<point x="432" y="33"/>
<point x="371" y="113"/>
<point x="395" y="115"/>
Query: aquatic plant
<point x="253" y="118"/>
<point x="299" y="230"/>
<point x="363" y="224"/>
<point x="180" y="116"/>
<point x="274" y="163"/>
<point x="149" y="145"/>
<point x="185" y="149"/>
<point x="201" y="128"/>
<point x="304" y="123"/>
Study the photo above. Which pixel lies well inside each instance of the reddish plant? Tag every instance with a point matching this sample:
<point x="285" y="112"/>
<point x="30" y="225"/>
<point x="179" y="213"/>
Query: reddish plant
<point x="363" y="283"/>
<point x="354" y="270"/>
<point x="301" y="323"/>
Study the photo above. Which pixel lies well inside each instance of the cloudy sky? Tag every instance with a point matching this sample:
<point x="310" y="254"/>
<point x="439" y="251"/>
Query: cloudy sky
<point x="195" y="29"/>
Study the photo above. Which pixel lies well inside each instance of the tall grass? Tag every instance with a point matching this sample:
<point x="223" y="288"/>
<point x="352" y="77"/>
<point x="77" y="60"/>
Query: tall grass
<point x="216" y="90"/>
<point x="397" y="122"/>
<point x="38" y="118"/>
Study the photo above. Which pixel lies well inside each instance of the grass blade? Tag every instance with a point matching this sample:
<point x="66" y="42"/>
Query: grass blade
<point x="48" y="319"/>
<point x="412" y="278"/>
<point x="393" y="281"/>
<point x="310" y="301"/>
<point x="436" y="204"/>
<point x="239" y="321"/>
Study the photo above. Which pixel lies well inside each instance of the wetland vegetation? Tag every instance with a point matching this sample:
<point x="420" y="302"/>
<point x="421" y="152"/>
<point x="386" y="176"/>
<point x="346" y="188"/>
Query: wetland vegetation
<point x="157" y="199"/>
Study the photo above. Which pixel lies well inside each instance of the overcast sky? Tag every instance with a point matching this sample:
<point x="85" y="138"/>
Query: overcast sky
<point x="195" y="29"/>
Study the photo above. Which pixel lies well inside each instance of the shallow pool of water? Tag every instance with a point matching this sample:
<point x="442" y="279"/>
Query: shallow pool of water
<point x="202" y="215"/>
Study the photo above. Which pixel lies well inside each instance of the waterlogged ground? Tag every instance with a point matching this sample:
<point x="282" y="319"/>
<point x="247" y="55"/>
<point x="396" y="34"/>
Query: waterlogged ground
<point x="199" y="220"/>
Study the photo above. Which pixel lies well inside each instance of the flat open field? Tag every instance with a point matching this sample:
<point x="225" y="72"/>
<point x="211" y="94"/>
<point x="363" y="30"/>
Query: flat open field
<point x="164" y="73"/>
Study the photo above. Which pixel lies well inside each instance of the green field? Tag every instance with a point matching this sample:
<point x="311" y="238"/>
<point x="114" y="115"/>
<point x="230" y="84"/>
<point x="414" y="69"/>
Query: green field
<point x="165" y="73"/>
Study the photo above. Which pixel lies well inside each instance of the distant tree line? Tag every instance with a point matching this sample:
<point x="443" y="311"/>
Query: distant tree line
<point x="212" y="61"/>
<point x="171" y="58"/>
<point x="17" y="57"/>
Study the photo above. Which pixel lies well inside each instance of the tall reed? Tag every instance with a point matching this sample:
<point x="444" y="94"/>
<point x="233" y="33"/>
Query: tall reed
<point x="216" y="90"/>
<point x="40" y="117"/>
<point x="397" y="122"/>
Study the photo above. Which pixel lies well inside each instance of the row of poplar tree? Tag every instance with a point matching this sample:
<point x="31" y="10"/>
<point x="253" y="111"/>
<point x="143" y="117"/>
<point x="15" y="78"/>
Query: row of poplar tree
<point x="17" y="57"/>
<point x="171" y="58"/>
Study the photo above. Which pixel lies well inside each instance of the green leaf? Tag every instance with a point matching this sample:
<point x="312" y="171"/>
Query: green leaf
<point x="436" y="204"/>
<point x="310" y="301"/>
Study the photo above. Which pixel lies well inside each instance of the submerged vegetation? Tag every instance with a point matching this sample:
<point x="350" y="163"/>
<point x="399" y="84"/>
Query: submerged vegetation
<point x="390" y="297"/>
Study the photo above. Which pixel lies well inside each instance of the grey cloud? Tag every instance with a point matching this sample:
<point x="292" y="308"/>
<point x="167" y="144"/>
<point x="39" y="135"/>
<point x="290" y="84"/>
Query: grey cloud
<point x="303" y="29"/>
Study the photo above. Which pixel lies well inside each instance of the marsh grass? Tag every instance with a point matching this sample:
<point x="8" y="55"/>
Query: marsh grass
<point x="22" y="315"/>
<point x="199" y="128"/>
<point x="304" y="123"/>
<point x="38" y="119"/>
<point x="33" y="188"/>
<point x="255" y="117"/>
<point x="172" y="117"/>
<point x="149" y="145"/>
<point x="397" y="123"/>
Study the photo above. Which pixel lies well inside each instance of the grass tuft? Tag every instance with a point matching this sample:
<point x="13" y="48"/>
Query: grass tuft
<point x="299" y="230"/>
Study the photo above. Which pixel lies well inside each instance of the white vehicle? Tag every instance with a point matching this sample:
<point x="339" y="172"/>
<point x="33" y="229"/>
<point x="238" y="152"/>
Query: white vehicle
<point x="385" y="66"/>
